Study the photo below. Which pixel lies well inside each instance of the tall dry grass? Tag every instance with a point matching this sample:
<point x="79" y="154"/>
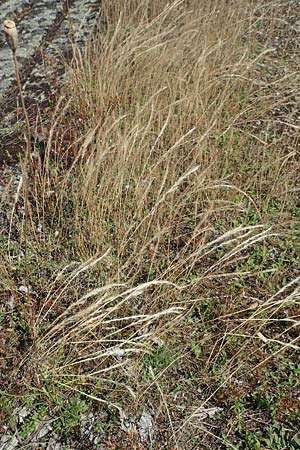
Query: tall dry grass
<point x="157" y="106"/>
<point x="155" y="145"/>
<point x="154" y="94"/>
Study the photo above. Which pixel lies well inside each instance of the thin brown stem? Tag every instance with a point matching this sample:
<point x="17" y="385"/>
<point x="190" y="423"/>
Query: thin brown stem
<point x="28" y="133"/>
<point x="25" y="164"/>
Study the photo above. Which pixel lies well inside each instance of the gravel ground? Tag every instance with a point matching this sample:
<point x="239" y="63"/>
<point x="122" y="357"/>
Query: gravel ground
<point x="45" y="41"/>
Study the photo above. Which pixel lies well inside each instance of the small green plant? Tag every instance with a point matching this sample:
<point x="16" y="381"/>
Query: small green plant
<point x="70" y="413"/>
<point x="158" y="360"/>
<point x="31" y="423"/>
<point x="196" y="349"/>
<point x="272" y="438"/>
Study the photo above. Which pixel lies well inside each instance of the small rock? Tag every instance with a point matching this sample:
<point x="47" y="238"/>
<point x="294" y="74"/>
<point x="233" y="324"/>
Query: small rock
<point x="158" y="341"/>
<point x="54" y="444"/>
<point x="25" y="290"/>
<point x="8" y="442"/>
<point x="22" y="414"/>
<point x="87" y="423"/>
<point x="146" y="426"/>
<point x="11" y="302"/>
<point x="205" y="413"/>
<point x="127" y="423"/>
<point x="296" y="26"/>
<point x="42" y="431"/>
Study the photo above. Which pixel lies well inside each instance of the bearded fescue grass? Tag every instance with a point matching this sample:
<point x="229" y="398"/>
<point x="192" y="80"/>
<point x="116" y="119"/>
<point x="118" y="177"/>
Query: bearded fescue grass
<point x="153" y="197"/>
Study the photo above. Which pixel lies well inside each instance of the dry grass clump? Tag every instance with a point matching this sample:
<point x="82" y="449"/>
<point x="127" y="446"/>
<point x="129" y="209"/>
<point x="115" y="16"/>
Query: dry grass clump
<point x="154" y="165"/>
<point x="153" y="171"/>
<point x="154" y="94"/>
<point x="162" y="97"/>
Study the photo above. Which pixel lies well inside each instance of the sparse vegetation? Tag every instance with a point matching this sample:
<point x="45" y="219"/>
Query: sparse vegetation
<point x="162" y="243"/>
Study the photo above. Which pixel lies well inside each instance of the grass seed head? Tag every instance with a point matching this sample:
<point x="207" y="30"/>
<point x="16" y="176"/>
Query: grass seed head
<point x="11" y="34"/>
